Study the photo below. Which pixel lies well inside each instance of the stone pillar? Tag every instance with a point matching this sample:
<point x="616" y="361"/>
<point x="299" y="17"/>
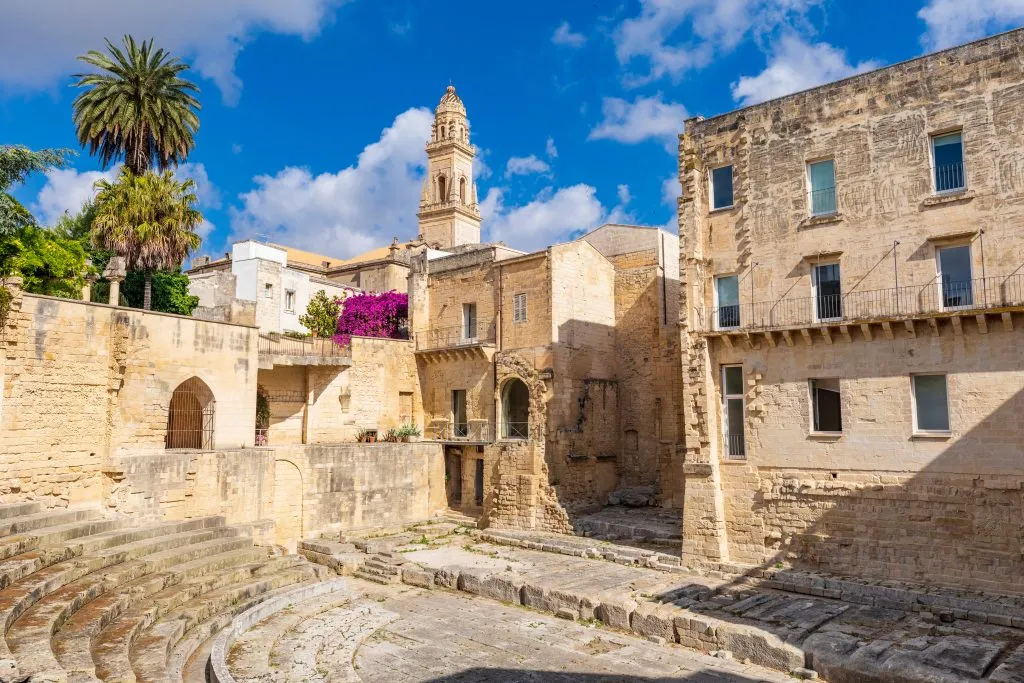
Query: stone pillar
<point x="307" y="412"/>
<point x="115" y="272"/>
<point x="419" y="302"/>
<point x="90" y="280"/>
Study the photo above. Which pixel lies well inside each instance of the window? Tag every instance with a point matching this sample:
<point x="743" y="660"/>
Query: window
<point x="931" y="403"/>
<point x="462" y="190"/>
<point x="828" y="302"/>
<point x="948" y="157"/>
<point x="822" y="178"/>
<point x="954" y="278"/>
<point x="468" y="321"/>
<point x="515" y="410"/>
<point x="721" y="188"/>
<point x="727" y="289"/>
<point x="826" y="413"/>
<point x="519" y="308"/>
<point x="289" y="300"/>
<point x="268" y="291"/>
<point x="442" y="188"/>
<point x="460" y="422"/>
<point x="732" y="410"/>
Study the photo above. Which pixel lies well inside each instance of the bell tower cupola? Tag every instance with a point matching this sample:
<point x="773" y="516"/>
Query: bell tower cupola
<point x="449" y="215"/>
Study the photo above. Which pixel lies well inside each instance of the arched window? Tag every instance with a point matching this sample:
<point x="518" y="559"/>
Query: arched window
<point x="442" y="187"/>
<point x="462" y="190"/>
<point x="190" y="416"/>
<point x="515" y="410"/>
<point x="441" y="131"/>
<point x="451" y="130"/>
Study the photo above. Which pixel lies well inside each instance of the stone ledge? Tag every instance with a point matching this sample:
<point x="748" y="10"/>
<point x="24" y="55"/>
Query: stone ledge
<point x="948" y="198"/>
<point x="824" y="219"/>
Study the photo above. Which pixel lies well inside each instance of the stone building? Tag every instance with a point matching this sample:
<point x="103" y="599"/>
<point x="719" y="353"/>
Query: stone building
<point x="853" y="301"/>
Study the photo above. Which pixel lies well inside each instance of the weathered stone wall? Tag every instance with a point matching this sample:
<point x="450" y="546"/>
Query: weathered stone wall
<point x="878" y="500"/>
<point x="286" y="492"/>
<point x="83" y="382"/>
<point x="382" y="370"/>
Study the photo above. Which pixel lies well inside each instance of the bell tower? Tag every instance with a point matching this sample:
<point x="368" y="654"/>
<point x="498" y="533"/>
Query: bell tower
<point x="449" y="215"/>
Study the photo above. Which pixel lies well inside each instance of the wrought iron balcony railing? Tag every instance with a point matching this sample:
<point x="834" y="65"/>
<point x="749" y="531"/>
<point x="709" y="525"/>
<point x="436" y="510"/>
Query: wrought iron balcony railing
<point x="281" y="345"/>
<point x="479" y="332"/>
<point x="898" y="302"/>
<point x="950" y="177"/>
<point x="470" y="430"/>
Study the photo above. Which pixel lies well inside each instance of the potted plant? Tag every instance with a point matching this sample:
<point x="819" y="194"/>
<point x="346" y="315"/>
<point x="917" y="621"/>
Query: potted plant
<point x="366" y="436"/>
<point x="392" y="436"/>
<point x="409" y="432"/>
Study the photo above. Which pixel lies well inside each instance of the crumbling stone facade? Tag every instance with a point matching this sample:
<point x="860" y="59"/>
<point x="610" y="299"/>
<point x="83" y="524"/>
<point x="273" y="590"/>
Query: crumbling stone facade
<point x="858" y="236"/>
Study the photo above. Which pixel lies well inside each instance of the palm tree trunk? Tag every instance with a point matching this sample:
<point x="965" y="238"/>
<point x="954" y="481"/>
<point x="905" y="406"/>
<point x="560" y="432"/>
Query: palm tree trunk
<point x="147" y="292"/>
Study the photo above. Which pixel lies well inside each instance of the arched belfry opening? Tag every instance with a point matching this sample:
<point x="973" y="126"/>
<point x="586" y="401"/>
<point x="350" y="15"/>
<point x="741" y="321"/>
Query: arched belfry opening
<point x="515" y="410"/>
<point x="442" y="189"/>
<point x="190" y="417"/>
<point x="462" y="190"/>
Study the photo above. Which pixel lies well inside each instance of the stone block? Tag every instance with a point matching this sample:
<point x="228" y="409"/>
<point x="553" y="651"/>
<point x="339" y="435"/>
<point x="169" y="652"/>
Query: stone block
<point x="759" y="646"/>
<point x="652" y="619"/>
<point x="615" y="610"/>
<point x="505" y="587"/>
<point x="447" y="577"/>
<point x="415" y="575"/>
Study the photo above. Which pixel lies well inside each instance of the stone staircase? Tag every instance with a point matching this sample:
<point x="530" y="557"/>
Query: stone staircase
<point x="84" y="597"/>
<point x="384" y="568"/>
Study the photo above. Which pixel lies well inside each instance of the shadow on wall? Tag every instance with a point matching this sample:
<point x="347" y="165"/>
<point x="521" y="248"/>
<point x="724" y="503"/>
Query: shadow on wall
<point x="956" y="522"/>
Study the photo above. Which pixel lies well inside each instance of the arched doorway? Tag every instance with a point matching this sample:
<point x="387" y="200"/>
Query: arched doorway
<point x="287" y="505"/>
<point x="190" y="417"/>
<point x="515" y="410"/>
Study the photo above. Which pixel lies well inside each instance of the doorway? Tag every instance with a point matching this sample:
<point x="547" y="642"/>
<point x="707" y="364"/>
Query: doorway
<point x="478" y="483"/>
<point x="453" y="476"/>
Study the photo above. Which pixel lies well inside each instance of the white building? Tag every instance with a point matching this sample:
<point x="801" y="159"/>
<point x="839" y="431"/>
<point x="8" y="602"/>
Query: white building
<point x="277" y="280"/>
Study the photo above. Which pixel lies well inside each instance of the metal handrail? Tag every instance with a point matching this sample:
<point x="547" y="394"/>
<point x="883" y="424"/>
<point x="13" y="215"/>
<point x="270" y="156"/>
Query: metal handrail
<point x="471" y="430"/>
<point x="934" y="297"/>
<point x="271" y="344"/>
<point x="454" y="336"/>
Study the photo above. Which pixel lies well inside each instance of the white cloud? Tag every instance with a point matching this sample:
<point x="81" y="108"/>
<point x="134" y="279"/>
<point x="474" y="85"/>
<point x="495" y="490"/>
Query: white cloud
<point x="236" y="148"/>
<point x="624" y="195"/>
<point x="66" y="190"/>
<point x="951" y="22"/>
<point x="564" y="35"/>
<point x="550" y="148"/>
<point x="671" y="190"/>
<point x="643" y="119"/>
<point x="551" y="217"/>
<point x="350" y="211"/>
<point x="671" y="37"/>
<point x="794" y="66"/>
<point x="525" y="166"/>
<point x="40" y="40"/>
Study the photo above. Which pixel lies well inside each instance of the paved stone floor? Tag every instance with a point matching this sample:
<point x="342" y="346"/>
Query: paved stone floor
<point x="442" y="636"/>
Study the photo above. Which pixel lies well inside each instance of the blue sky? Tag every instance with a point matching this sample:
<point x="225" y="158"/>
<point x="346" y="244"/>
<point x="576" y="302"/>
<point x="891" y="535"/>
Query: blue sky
<point x="315" y="112"/>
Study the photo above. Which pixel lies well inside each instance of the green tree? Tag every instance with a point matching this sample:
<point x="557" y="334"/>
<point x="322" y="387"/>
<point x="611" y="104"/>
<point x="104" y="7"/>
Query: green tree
<point x="149" y="220"/>
<point x="170" y="292"/>
<point x="48" y="262"/>
<point x="321" y="316"/>
<point x="16" y="163"/>
<point x="137" y="108"/>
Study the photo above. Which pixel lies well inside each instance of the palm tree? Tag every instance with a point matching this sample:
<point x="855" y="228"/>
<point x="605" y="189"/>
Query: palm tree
<point x="149" y="220"/>
<point x="137" y="108"/>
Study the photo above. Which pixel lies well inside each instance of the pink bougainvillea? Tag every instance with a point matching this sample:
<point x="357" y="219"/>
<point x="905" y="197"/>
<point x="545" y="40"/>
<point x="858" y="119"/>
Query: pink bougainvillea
<point x="374" y="315"/>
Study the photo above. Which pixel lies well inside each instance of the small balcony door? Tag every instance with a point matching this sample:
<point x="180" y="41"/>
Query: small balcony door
<point x="828" y="298"/>
<point x="732" y="411"/>
<point x="955" y="290"/>
<point x="468" y="322"/>
<point x="727" y="292"/>
<point x="460" y="421"/>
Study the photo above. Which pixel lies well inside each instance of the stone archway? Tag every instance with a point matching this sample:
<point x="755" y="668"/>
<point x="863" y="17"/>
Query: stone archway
<point x="288" y="493"/>
<point x="515" y="410"/>
<point x="190" y="416"/>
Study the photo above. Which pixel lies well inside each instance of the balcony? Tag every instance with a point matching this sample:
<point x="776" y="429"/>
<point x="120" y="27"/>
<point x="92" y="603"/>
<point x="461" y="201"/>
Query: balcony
<point x="471" y="431"/>
<point x="934" y="300"/>
<point x="277" y="349"/>
<point x="456" y="337"/>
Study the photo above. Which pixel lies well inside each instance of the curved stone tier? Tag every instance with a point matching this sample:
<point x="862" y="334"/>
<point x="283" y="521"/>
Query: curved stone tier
<point x="86" y="598"/>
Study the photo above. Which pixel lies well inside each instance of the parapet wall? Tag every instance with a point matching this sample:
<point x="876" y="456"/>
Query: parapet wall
<point x="291" y="492"/>
<point x="83" y="382"/>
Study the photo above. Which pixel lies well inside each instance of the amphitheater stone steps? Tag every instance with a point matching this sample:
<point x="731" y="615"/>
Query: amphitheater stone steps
<point x="86" y="597"/>
<point x="384" y="568"/>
